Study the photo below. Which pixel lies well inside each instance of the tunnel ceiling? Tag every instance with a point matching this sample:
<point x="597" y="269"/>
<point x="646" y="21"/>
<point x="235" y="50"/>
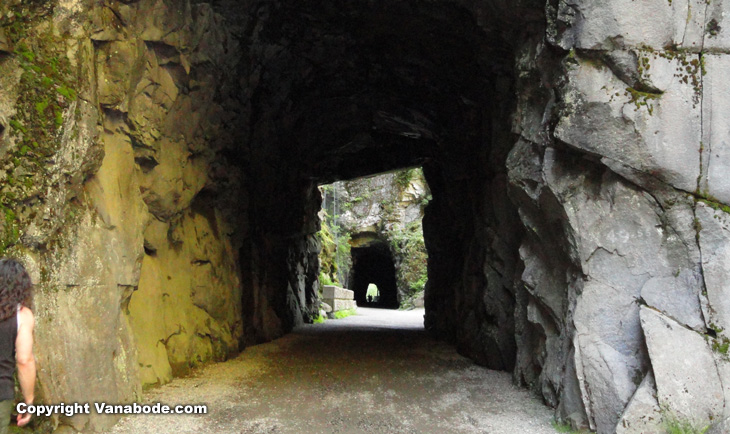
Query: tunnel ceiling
<point x="356" y="87"/>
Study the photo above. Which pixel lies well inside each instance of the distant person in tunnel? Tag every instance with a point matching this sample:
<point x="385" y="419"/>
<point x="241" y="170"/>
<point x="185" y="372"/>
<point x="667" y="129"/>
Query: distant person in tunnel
<point x="373" y="293"/>
<point x="16" y="339"/>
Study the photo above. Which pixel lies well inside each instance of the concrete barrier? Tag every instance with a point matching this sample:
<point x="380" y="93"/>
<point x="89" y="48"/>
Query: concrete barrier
<point x="338" y="298"/>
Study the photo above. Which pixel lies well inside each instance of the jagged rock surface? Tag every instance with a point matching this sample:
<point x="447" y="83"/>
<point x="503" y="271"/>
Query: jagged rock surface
<point x="137" y="278"/>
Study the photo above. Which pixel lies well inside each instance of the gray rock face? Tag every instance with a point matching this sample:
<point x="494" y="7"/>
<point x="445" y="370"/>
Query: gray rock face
<point x="716" y="137"/>
<point x="608" y="25"/>
<point x="642" y="414"/>
<point x="688" y="384"/>
<point x="717" y="34"/>
<point x="676" y="296"/>
<point x="611" y="229"/>
<point x="644" y="131"/>
<point x="647" y="115"/>
<point x="714" y="241"/>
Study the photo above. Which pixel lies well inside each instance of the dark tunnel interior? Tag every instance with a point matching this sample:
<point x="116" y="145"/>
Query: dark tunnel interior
<point x="342" y="90"/>
<point x="374" y="264"/>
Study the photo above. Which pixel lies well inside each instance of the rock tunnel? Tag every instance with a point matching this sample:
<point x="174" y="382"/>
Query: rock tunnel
<point x="358" y="90"/>
<point x="575" y="216"/>
<point x="374" y="264"/>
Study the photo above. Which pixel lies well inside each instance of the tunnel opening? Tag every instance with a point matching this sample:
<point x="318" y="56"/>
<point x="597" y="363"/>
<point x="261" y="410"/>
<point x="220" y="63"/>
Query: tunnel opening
<point x="374" y="265"/>
<point x="343" y="91"/>
<point x="190" y="138"/>
<point x="331" y="91"/>
<point x="371" y="233"/>
<point x="339" y="90"/>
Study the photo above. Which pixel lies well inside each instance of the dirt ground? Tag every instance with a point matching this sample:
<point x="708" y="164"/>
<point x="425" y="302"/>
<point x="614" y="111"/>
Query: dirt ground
<point x="375" y="372"/>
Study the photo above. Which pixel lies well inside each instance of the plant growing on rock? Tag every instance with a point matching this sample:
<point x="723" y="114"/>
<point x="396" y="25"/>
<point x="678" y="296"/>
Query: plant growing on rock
<point x="676" y="425"/>
<point x="45" y="92"/>
<point x="335" y="253"/>
<point x="403" y="178"/>
<point x="567" y="429"/>
<point x="408" y="243"/>
<point x="344" y="313"/>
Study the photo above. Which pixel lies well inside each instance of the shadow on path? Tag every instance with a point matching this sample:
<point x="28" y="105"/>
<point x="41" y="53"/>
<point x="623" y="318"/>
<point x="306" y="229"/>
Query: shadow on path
<point x="375" y="372"/>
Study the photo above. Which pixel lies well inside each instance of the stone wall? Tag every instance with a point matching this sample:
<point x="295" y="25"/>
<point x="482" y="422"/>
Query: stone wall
<point x="617" y="130"/>
<point x="614" y="185"/>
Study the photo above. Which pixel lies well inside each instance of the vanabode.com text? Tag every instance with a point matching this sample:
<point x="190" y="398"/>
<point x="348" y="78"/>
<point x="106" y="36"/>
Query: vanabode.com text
<point x="102" y="408"/>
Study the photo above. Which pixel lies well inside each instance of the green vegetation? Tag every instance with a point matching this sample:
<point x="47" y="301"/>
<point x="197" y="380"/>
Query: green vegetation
<point x="675" y="425"/>
<point x="45" y="92"/>
<point x="403" y="178"/>
<point x="325" y="279"/>
<point x="335" y="254"/>
<point x="716" y="328"/>
<point x="10" y="230"/>
<point x="721" y="345"/>
<point x="689" y="69"/>
<point x="567" y="429"/>
<point x="715" y="204"/>
<point x="426" y="200"/>
<point x="345" y="313"/>
<point x="408" y="243"/>
<point x="319" y="319"/>
<point x="642" y="99"/>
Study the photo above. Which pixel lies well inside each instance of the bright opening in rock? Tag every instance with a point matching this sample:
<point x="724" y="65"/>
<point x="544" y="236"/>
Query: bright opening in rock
<point x="371" y="233"/>
<point x="374" y="264"/>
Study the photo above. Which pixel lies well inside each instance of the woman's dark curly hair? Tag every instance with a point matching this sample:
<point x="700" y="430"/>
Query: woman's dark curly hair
<point x="15" y="288"/>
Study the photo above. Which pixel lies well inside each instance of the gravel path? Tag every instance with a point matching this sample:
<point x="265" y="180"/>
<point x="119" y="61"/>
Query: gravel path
<point x="375" y="372"/>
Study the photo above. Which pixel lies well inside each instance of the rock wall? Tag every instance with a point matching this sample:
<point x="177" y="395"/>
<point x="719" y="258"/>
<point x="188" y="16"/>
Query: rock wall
<point x="115" y="121"/>
<point x="613" y="176"/>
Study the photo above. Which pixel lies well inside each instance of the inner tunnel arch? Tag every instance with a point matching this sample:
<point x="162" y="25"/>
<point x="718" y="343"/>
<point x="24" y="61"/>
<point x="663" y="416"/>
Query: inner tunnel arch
<point x="352" y="90"/>
<point x="349" y="89"/>
<point x="374" y="264"/>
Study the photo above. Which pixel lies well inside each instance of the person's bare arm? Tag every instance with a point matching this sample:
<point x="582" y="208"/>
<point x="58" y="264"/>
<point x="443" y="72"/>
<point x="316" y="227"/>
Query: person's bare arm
<point x="25" y="360"/>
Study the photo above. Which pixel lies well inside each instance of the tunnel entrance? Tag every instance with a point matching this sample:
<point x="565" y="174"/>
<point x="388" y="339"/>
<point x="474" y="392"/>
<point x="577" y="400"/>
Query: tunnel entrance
<point x="371" y="233"/>
<point x="354" y="89"/>
<point x="374" y="264"/>
<point x="202" y="130"/>
<point x="342" y="90"/>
